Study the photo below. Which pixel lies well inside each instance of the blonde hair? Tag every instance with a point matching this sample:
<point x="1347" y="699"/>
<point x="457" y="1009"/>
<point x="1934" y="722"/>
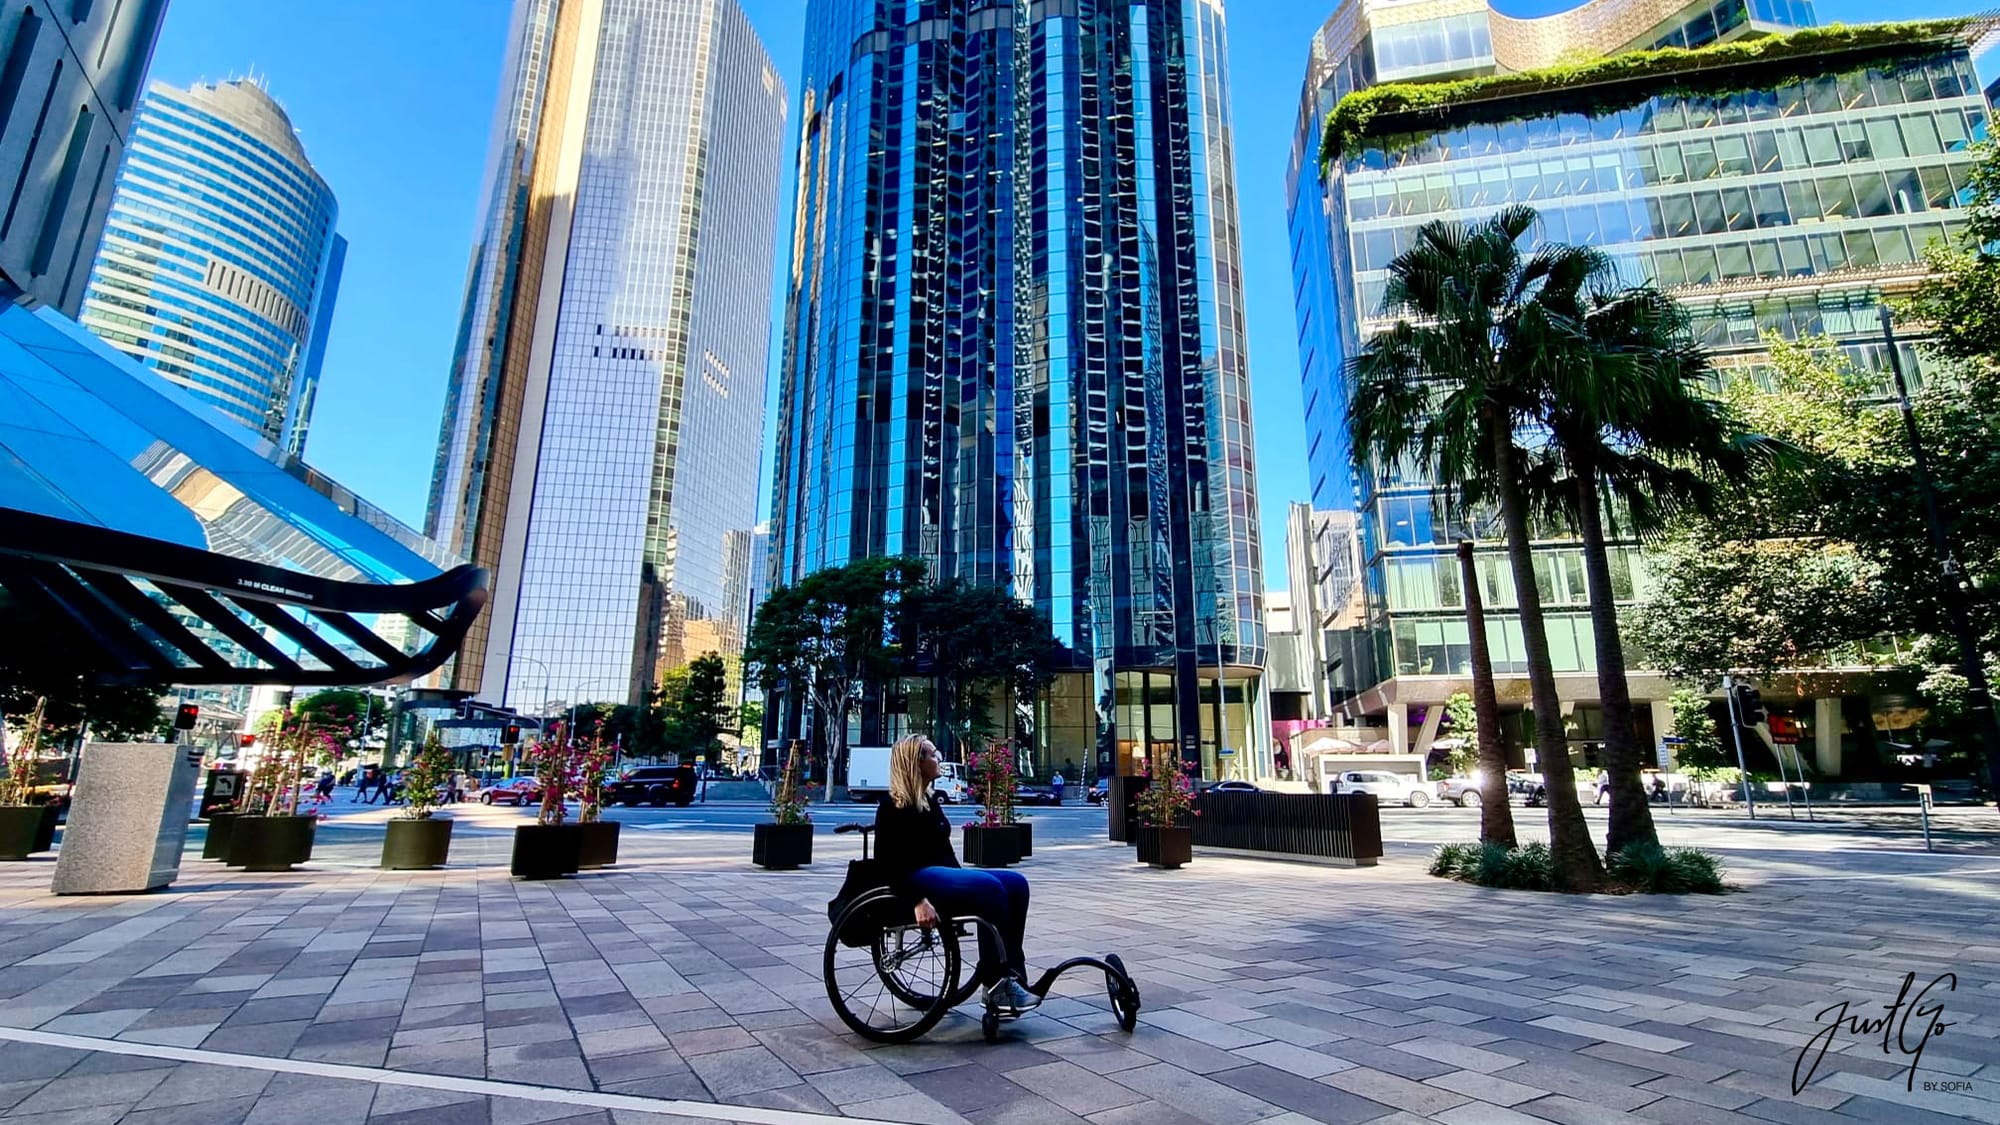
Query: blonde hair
<point x="907" y="786"/>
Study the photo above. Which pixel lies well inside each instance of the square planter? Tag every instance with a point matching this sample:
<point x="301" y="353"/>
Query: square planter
<point x="416" y="845"/>
<point x="782" y="847"/>
<point x="1165" y="847"/>
<point x="547" y="851"/>
<point x="216" y="846"/>
<point x="1026" y="834"/>
<point x="45" y="835"/>
<point x="600" y="844"/>
<point x="271" y="843"/>
<point x="21" y="829"/>
<point x="997" y="846"/>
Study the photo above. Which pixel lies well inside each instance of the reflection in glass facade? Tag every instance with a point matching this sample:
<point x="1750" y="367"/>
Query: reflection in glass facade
<point x="598" y="452"/>
<point x="220" y="264"/>
<point x="1786" y="208"/>
<point x="1015" y="347"/>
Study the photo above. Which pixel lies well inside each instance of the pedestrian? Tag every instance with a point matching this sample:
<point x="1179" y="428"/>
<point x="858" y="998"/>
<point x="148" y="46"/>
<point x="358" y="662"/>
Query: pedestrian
<point x="326" y="785"/>
<point x="1056" y="783"/>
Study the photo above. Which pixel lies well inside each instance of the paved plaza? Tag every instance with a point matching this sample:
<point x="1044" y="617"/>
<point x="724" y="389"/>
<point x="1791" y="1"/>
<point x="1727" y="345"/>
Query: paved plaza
<point x="684" y="985"/>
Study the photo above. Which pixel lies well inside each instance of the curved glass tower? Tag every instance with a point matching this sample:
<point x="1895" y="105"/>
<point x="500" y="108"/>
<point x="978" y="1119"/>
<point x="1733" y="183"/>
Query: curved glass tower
<point x="220" y="263"/>
<point x="1015" y="347"/>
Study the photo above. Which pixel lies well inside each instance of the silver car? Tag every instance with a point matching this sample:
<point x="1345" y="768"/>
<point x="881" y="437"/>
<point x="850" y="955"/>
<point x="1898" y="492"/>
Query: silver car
<point x="1387" y="787"/>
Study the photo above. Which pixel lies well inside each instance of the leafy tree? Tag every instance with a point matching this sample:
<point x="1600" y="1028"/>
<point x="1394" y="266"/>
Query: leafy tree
<point x="350" y="713"/>
<point x="114" y="712"/>
<point x="1959" y="300"/>
<point x="1480" y="326"/>
<point x="828" y="634"/>
<point x="703" y="706"/>
<point x="1701" y="747"/>
<point x="1464" y="716"/>
<point x="976" y="641"/>
<point x="750" y="720"/>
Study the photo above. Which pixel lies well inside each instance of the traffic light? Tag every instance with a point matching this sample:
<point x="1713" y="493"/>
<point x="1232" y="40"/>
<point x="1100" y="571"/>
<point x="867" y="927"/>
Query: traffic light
<point x="511" y="735"/>
<point x="1749" y="706"/>
<point x="184" y="717"/>
<point x="246" y="740"/>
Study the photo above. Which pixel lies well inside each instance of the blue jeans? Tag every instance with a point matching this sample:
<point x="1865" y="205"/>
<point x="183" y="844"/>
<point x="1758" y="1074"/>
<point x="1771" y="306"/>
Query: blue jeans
<point x="1000" y="897"/>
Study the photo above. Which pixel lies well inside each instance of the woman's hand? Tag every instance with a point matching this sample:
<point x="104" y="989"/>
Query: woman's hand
<point x="927" y="915"/>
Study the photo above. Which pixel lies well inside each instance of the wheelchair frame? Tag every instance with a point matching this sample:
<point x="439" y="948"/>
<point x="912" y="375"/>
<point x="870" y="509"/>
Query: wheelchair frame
<point x="892" y="950"/>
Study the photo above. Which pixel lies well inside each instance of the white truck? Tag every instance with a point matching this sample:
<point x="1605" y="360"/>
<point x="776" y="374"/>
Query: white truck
<point x="868" y="777"/>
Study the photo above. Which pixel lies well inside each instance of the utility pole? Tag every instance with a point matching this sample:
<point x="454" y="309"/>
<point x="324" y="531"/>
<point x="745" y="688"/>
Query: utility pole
<point x="1971" y="662"/>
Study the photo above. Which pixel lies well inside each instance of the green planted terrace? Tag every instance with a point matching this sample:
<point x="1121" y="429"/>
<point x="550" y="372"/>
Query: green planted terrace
<point x="1609" y="85"/>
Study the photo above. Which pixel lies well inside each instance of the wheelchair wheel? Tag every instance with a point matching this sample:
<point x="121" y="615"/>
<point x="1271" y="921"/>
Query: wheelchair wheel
<point x="896" y="986"/>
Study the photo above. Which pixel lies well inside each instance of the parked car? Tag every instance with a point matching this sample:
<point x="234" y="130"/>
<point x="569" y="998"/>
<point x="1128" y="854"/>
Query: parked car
<point x="1465" y="791"/>
<point x="1234" y="786"/>
<point x="652" y="785"/>
<point x="1388" y="787"/>
<point x="1098" y="791"/>
<point x="1034" y="795"/>
<point x="1527" y="786"/>
<point x="523" y="790"/>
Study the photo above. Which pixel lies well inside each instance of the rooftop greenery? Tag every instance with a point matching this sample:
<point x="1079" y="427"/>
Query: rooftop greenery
<point x="1624" y="80"/>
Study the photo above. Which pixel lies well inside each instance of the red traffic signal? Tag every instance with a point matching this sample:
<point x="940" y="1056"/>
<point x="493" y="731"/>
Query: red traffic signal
<point x="246" y="740"/>
<point x="511" y="735"/>
<point x="184" y="717"/>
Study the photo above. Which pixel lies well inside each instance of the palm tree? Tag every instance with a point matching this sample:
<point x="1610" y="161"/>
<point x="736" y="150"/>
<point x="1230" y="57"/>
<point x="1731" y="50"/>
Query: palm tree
<point x="1496" y="815"/>
<point x="1633" y="425"/>
<point x="1482" y="329"/>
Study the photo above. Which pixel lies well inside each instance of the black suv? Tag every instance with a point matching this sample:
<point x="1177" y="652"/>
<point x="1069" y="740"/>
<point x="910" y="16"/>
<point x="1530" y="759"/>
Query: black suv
<point x="652" y="785"/>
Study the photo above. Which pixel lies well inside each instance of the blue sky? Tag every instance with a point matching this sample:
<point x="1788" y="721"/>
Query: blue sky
<point x="395" y="111"/>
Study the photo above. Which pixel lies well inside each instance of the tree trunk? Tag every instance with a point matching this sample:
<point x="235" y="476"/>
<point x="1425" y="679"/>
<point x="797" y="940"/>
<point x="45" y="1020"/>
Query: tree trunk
<point x="1631" y="816"/>
<point x="1578" y="868"/>
<point x="1496" y="815"/>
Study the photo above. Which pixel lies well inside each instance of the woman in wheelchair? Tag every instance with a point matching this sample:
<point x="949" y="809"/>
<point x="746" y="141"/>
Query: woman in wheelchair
<point x="913" y="845"/>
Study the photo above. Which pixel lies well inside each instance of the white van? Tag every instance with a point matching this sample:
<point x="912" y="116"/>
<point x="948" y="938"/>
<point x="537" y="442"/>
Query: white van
<point x="868" y="777"/>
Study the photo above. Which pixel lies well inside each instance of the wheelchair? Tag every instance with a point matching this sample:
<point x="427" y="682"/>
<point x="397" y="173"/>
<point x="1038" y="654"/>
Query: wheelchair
<point x="891" y="980"/>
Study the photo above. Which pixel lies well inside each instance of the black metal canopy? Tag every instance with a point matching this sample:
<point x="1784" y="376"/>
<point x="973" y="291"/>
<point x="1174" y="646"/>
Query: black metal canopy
<point x="129" y="608"/>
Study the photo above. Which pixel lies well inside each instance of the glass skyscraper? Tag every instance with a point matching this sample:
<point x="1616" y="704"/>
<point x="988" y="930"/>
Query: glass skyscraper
<point x="70" y="77"/>
<point x="598" y="453"/>
<point x="220" y="263"/>
<point x="1014" y="347"/>
<point x="1788" y="197"/>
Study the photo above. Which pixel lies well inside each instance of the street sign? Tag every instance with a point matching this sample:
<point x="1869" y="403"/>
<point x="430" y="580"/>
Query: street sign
<point x="1665" y="756"/>
<point x="1225" y="752"/>
<point x="1785" y="729"/>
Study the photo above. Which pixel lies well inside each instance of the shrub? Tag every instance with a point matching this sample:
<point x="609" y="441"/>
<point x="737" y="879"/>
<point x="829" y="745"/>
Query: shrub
<point x="1451" y="861"/>
<point x="1651" y="869"/>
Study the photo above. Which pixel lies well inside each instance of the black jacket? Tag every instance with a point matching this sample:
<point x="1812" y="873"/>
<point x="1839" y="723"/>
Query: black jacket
<point x="909" y="840"/>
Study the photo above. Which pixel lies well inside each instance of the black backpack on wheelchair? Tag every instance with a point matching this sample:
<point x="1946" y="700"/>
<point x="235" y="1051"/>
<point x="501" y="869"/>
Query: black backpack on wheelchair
<point x="863" y="876"/>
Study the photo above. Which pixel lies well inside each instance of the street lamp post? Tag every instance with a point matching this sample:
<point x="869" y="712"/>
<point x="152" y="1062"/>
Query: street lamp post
<point x="573" y="701"/>
<point x="541" y="719"/>
<point x="1979" y="695"/>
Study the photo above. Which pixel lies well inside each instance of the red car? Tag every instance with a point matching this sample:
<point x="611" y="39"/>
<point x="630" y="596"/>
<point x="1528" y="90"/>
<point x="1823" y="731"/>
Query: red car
<point x="517" y="791"/>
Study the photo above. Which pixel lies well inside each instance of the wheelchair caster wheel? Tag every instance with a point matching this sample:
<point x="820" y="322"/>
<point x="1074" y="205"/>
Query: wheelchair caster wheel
<point x="989" y="1024"/>
<point x="1123" y="994"/>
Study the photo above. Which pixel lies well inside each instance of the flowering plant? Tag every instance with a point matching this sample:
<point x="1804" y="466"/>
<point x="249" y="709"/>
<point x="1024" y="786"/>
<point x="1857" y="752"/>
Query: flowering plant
<point x="789" y="800"/>
<point x="992" y="773"/>
<point x="424" y="781"/>
<point x="555" y="770"/>
<point x="591" y="760"/>
<point x="1169" y="794"/>
<point x="22" y="766"/>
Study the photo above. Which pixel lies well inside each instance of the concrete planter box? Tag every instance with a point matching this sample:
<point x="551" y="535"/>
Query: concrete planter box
<point x="600" y="844"/>
<point x="416" y="845"/>
<point x="782" y="847"/>
<point x="1026" y="833"/>
<point x="271" y="843"/>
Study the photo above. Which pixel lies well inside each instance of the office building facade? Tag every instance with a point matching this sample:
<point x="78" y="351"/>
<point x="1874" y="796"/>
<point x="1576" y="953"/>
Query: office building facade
<point x="1014" y="348"/>
<point x="597" y="453"/>
<point x="1793" y="198"/>
<point x="70" y="79"/>
<point x="220" y="262"/>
